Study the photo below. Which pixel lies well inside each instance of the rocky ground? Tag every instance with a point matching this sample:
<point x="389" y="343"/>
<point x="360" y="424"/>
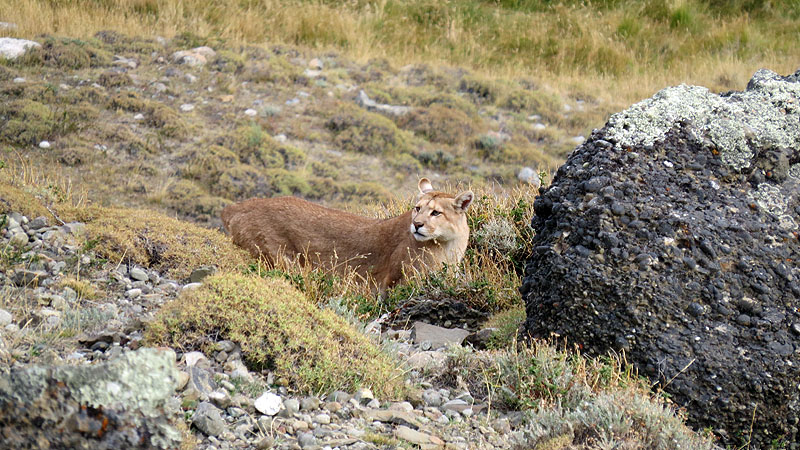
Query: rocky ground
<point x="62" y="306"/>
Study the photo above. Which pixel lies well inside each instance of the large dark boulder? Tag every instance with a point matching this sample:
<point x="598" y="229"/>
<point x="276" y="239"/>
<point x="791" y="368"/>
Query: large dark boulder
<point x="672" y="234"/>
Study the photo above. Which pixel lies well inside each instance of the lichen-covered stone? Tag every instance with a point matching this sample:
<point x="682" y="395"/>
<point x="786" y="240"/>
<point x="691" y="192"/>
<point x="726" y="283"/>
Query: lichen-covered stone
<point x="671" y="234"/>
<point x="119" y="404"/>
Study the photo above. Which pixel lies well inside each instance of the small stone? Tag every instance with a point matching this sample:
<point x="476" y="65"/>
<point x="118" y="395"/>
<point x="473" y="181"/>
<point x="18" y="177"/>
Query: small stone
<point x="323" y="419"/>
<point x="250" y="112"/>
<point x="207" y="418"/>
<point x="138" y="116"/>
<point x="191" y="286"/>
<point x="5" y="318"/>
<point x="265" y="443"/>
<point x="133" y="293"/>
<point x="291" y="406"/>
<point x="44" y="144"/>
<point x="138" y="274"/>
<point x="37" y="223"/>
<point x="417" y="437"/>
<point x="363" y="396"/>
<point x="306" y="440"/>
<point x="194" y="359"/>
<point x="200" y="273"/>
<point x="187" y="107"/>
<point x="11" y="48"/>
<point x="431" y="397"/>
<point x="28" y="277"/>
<point x="220" y="398"/>
<point x="315" y="64"/>
<point x="183" y="380"/>
<point x="339" y="396"/>
<point x="796" y="328"/>
<point x="309" y="404"/>
<point x="696" y="309"/>
<point x="456" y="405"/>
<point x="18" y="238"/>
<point x="268" y="404"/>
<point x="530" y="176"/>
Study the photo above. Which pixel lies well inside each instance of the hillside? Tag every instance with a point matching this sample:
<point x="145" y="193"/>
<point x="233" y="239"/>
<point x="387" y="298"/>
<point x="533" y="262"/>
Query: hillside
<point x="125" y="133"/>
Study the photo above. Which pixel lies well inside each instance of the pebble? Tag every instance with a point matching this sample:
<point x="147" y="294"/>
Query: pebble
<point x="187" y="107"/>
<point x="250" y="112"/>
<point x="268" y="404"/>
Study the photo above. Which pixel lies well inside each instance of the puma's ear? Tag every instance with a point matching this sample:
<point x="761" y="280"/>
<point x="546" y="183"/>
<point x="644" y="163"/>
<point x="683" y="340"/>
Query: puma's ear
<point x="425" y="186"/>
<point x="462" y="202"/>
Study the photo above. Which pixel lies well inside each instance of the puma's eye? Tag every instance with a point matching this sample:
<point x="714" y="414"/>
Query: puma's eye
<point x="435" y="213"/>
<point x="416" y="209"/>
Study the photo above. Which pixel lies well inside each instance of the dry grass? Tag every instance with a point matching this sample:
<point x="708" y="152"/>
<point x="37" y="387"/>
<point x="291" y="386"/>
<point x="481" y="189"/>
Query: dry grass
<point x="617" y="51"/>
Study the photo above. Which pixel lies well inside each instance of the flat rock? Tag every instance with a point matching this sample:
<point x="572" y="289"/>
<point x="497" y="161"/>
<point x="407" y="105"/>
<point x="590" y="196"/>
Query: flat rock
<point x="429" y="360"/>
<point x="208" y="419"/>
<point x="391" y="416"/>
<point x="437" y="336"/>
<point x="417" y="437"/>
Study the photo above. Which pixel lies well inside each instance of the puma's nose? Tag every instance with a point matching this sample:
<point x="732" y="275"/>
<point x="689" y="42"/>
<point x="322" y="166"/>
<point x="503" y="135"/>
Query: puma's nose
<point x="417" y="225"/>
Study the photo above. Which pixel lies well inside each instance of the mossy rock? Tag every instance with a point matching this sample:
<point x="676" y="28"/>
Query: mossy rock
<point x="359" y="131"/>
<point x="66" y="53"/>
<point x="439" y="124"/>
<point x="26" y="122"/>
<point x="277" y="329"/>
<point x="154" y="240"/>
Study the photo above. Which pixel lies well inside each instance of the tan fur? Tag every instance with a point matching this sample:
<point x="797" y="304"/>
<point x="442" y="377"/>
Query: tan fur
<point x="377" y="249"/>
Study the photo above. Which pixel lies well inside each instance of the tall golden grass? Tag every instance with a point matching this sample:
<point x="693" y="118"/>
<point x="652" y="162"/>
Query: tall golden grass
<point x="613" y="50"/>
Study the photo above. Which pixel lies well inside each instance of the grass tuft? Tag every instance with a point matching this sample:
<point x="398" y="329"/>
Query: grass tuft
<point x="278" y="329"/>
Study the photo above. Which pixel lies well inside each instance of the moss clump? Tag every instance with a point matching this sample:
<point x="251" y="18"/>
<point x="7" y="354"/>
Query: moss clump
<point x="67" y="53"/>
<point x="256" y="147"/>
<point x="153" y="240"/>
<point x="533" y="102"/>
<point x="227" y="61"/>
<point x="207" y="164"/>
<point x="166" y="119"/>
<point x="481" y="90"/>
<point x="373" y="192"/>
<point x="284" y="182"/>
<point x="439" y="124"/>
<point x="240" y="182"/>
<point x="26" y="122"/>
<point x="275" y="69"/>
<point x="127" y="101"/>
<point x="324" y="170"/>
<point x="114" y="79"/>
<point x="278" y="329"/>
<point x="189" y="199"/>
<point x="359" y="131"/>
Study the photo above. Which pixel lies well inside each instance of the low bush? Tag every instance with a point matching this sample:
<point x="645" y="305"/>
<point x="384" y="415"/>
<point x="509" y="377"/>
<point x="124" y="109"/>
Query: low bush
<point x="359" y="131"/>
<point x="439" y="124"/>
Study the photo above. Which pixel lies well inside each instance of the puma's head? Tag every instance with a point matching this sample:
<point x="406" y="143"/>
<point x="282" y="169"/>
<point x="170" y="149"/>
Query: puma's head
<point x="438" y="216"/>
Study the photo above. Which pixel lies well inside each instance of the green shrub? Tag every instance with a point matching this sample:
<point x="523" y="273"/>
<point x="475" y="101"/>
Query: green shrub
<point x="240" y="182"/>
<point x="438" y="159"/>
<point x="481" y="90"/>
<point x="278" y="329"/>
<point x="284" y="182"/>
<point x="439" y="124"/>
<point x="189" y="199"/>
<point x="114" y="79"/>
<point x="324" y="170"/>
<point x="359" y="131"/>
<point x="228" y="61"/>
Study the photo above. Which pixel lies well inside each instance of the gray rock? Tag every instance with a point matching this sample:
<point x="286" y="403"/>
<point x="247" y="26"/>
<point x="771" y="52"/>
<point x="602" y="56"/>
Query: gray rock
<point x="363" y="396"/>
<point x="138" y="274"/>
<point x="437" y="336"/>
<point x="428" y="360"/>
<point x="201" y="381"/>
<point x="306" y="440"/>
<point x="309" y="404"/>
<point x="200" y="273"/>
<point x="11" y="48"/>
<point x="530" y="176"/>
<point x="28" y="277"/>
<point x="5" y="318"/>
<point x="291" y="406"/>
<point x="37" y="223"/>
<point x="372" y="105"/>
<point x="208" y="419"/>
<point x="18" y="238"/>
<point x="431" y="397"/>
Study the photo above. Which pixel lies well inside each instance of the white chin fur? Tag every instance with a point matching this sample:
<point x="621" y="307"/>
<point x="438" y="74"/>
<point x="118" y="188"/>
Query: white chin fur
<point x="420" y="237"/>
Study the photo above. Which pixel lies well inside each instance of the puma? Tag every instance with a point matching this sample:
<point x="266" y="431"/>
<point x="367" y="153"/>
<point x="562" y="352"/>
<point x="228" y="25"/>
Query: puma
<point x="435" y="231"/>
